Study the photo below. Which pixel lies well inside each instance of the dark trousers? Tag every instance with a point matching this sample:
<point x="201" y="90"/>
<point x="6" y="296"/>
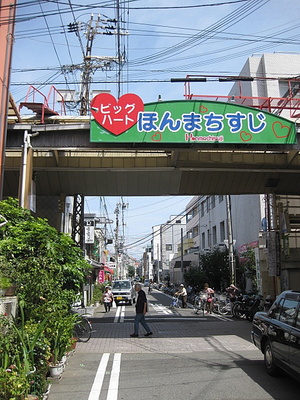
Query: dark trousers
<point x="184" y="301"/>
<point x="140" y="318"/>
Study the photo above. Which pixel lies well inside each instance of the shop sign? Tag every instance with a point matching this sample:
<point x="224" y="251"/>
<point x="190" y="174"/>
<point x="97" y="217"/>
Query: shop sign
<point x="101" y="276"/>
<point x="89" y="232"/>
<point x="129" y="120"/>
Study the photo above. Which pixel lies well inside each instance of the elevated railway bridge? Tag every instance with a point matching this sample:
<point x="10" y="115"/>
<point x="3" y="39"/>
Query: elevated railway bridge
<point x="63" y="157"/>
<point x="54" y="156"/>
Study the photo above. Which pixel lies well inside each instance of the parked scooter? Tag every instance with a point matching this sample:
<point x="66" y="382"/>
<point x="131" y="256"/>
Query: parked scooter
<point x="248" y="307"/>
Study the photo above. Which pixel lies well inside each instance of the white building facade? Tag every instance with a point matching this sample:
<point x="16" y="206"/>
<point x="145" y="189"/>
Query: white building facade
<point x="268" y="224"/>
<point x="165" y="240"/>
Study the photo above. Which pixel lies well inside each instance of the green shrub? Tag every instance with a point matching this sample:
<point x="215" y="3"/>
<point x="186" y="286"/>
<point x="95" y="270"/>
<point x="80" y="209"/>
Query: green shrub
<point x="14" y="384"/>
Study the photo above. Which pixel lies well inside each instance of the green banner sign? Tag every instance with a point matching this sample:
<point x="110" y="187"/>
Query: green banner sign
<point x="128" y="120"/>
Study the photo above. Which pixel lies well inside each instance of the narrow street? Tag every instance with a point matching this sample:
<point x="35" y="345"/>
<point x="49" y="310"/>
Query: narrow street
<point x="189" y="356"/>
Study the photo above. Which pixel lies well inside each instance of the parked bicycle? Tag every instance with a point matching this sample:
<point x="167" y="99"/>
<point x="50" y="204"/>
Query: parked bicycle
<point x="200" y="303"/>
<point x="82" y="327"/>
<point x="222" y="307"/>
<point x="248" y="307"/>
<point x="175" y="302"/>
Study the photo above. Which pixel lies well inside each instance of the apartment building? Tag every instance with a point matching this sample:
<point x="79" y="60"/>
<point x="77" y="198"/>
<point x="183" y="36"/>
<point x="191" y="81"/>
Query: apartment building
<point x="268" y="224"/>
<point x="147" y="264"/>
<point x="276" y="77"/>
<point x="165" y="240"/>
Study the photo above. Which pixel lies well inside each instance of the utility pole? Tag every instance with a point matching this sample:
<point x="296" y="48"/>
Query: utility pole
<point x="120" y="58"/>
<point x="92" y="63"/>
<point x="117" y="245"/>
<point x="181" y="255"/>
<point x="230" y="240"/>
<point x="120" y="239"/>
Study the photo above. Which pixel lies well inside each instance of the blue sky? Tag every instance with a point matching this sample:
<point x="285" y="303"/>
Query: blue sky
<point x="161" y="40"/>
<point x="140" y="215"/>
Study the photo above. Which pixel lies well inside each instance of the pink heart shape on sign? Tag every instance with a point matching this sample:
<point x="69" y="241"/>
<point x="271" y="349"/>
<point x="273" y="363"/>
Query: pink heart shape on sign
<point x="280" y="131"/>
<point x="116" y="116"/>
<point x="156" y="137"/>
<point x="245" y="136"/>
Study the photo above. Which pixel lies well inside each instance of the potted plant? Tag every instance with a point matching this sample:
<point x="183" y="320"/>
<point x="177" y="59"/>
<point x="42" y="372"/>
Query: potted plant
<point x="97" y="295"/>
<point x="61" y="334"/>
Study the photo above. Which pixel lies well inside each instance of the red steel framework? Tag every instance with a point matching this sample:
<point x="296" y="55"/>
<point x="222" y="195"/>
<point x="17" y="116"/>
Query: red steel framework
<point x="271" y="104"/>
<point x="47" y="104"/>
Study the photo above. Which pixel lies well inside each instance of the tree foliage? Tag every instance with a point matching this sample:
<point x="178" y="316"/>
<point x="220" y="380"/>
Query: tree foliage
<point x="213" y="269"/>
<point x="45" y="265"/>
<point x="131" y="271"/>
<point x="248" y="265"/>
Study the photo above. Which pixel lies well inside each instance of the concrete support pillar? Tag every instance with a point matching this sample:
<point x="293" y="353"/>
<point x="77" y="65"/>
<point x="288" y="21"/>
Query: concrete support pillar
<point x="7" y="17"/>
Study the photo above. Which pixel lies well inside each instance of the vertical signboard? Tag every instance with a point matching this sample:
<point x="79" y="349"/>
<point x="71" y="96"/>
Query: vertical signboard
<point x="274" y="259"/>
<point x="89" y="232"/>
<point x="101" y="276"/>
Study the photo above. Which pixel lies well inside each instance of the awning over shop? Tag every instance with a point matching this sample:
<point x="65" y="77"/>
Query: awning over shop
<point x="107" y="269"/>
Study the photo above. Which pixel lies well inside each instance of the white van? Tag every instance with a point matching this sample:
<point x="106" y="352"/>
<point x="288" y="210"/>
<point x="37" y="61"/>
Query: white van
<point x="123" y="292"/>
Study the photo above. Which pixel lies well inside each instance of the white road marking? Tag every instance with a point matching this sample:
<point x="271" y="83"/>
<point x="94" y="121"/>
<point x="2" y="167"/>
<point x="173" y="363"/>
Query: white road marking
<point x="120" y="313"/>
<point x="98" y="381"/>
<point x="113" y="388"/>
<point x="160" y="309"/>
<point x="117" y="314"/>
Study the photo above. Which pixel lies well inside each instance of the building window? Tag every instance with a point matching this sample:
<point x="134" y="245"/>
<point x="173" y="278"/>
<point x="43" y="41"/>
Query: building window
<point x="189" y="216"/>
<point x="222" y="231"/>
<point x="195" y="231"/>
<point x="203" y="240"/>
<point x="221" y="198"/>
<point x="213" y="201"/>
<point x="169" y="247"/>
<point x="214" y="234"/>
<point x="202" y="205"/>
<point x="207" y="204"/>
<point x="208" y="238"/>
<point x="189" y="235"/>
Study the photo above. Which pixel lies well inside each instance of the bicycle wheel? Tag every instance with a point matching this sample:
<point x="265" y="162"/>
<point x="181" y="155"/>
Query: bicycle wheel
<point x="225" y="309"/>
<point x="204" y="306"/>
<point x="237" y="310"/>
<point x="196" y="307"/>
<point x="83" y="330"/>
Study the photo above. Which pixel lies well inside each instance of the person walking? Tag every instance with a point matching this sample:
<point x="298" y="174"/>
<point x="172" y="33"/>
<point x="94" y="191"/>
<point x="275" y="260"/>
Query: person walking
<point x="210" y="297"/>
<point x="183" y="295"/>
<point x="141" y="308"/>
<point x="107" y="299"/>
<point x="233" y="293"/>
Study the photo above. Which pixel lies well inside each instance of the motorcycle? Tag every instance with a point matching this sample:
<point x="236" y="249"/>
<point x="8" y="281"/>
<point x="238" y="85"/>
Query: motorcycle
<point x="248" y="307"/>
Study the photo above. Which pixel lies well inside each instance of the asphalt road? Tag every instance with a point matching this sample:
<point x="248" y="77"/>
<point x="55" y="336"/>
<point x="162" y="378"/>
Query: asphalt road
<point x="189" y="357"/>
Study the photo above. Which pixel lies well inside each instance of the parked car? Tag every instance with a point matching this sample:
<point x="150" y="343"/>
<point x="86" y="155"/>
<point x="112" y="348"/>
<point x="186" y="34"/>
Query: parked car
<point x="277" y="334"/>
<point x="123" y="291"/>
